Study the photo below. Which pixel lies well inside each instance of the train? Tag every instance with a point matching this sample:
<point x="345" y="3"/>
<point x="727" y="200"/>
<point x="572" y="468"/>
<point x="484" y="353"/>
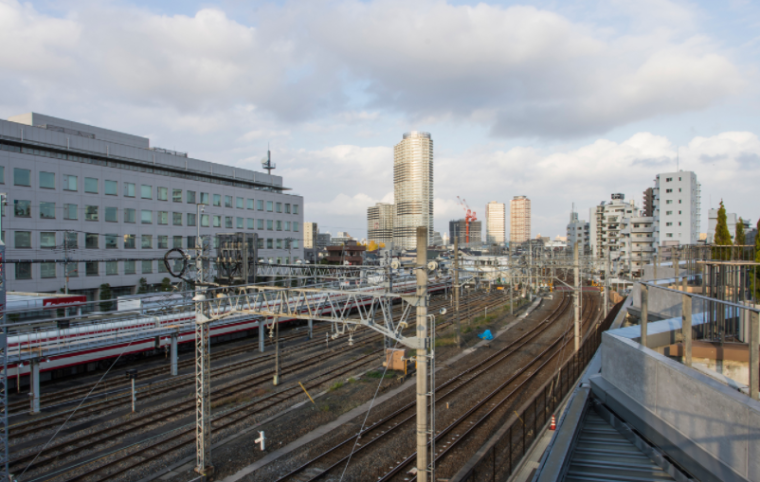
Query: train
<point x="59" y="366"/>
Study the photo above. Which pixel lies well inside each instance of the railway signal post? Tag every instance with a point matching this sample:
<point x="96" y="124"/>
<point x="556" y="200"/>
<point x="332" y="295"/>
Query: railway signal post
<point x="576" y="299"/>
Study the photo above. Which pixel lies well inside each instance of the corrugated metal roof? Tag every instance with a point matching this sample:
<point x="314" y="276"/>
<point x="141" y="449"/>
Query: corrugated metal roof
<point x="601" y="453"/>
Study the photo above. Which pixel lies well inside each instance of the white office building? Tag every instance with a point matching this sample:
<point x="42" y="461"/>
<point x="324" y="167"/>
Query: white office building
<point x="677" y="208"/>
<point x="112" y="205"/>
<point x="496" y="223"/>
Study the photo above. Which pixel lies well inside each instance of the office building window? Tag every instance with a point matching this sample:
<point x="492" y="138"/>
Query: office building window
<point x="218" y="200"/>
<point x="177" y="219"/>
<point x="191" y="197"/>
<point x="177" y="242"/>
<point x="204" y="198"/>
<point x="23" y="270"/>
<point x="204" y="220"/>
<point x="668" y="213"/>
<point x="191" y="219"/>
<point x="296" y="226"/>
<point x="47" y="180"/>
<point x="270" y="206"/>
<point x="250" y="204"/>
<point x="260" y="243"/>
<point x="22" y="177"/>
<point x="146" y="192"/>
<point x="217" y="221"/>
<point x="259" y="224"/>
<point x="239" y="223"/>
<point x="91" y="268"/>
<point x="270" y="225"/>
<point x="90" y="185"/>
<point x="91" y="240"/>
<point x="295" y="209"/>
<point x="250" y="223"/>
<point x="112" y="268"/>
<point x="47" y="270"/>
<point x="147" y="266"/>
<point x="279" y="207"/>
<point x="130" y="215"/>
<point x="278" y="225"/>
<point x="162" y="217"/>
<point x="22" y="209"/>
<point x="146" y="241"/>
<point x="111" y="188"/>
<point x="129" y="241"/>
<point x="270" y="243"/>
<point x="47" y="240"/>
<point x="295" y="245"/>
<point x="279" y="243"/>
<point x="287" y="225"/>
<point x="162" y="193"/>
<point x="91" y="213"/>
<point x="69" y="182"/>
<point x="129" y="189"/>
<point x="228" y="222"/>
<point x="47" y="210"/>
<point x="70" y="240"/>
<point x="191" y="242"/>
<point x="129" y="267"/>
<point x="287" y="208"/>
<point x="112" y="215"/>
<point x="71" y="270"/>
<point x="177" y="195"/>
<point x="260" y="205"/>
<point x="146" y="216"/>
<point x="162" y="267"/>
<point x="112" y="241"/>
<point x="163" y="242"/>
<point x="228" y="201"/>
<point x="239" y="202"/>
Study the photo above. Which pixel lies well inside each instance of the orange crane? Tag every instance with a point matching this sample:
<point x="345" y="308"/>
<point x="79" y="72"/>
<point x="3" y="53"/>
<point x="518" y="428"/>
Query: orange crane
<point x="470" y="215"/>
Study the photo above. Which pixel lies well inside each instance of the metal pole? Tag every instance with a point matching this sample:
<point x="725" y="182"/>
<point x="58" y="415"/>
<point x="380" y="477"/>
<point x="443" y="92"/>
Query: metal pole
<point x="276" y="351"/>
<point x="34" y="372"/>
<point x="173" y="355"/>
<point x="607" y="284"/>
<point x="576" y="299"/>
<point x="134" y="397"/>
<point x="422" y="359"/>
<point x="456" y="291"/>
<point x="311" y="329"/>
<point x="202" y="388"/>
<point x="754" y="356"/>
<point x="686" y="329"/>
<point x="644" y="313"/>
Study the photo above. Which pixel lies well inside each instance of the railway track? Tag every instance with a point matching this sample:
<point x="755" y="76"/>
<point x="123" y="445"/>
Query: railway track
<point x="70" y="448"/>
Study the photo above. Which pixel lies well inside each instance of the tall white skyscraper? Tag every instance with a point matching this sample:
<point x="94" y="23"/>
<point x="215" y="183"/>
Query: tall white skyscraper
<point x="519" y="219"/>
<point x="677" y="208"/>
<point x="496" y="223"/>
<point x="412" y="188"/>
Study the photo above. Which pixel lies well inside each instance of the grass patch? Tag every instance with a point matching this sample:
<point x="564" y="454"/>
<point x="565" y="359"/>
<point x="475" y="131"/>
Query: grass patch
<point x="352" y="380"/>
<point x="379" y="374"/>
<point x="448" y="341"/>
<point x="335" y="386"/>
<point x="324" y="408"/>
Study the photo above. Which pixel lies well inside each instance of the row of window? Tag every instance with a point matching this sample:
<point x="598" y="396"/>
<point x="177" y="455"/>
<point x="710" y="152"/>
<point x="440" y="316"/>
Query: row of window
<point x="670" y="213"/>
<point x="23" y="177"/>
<point x="23" y="209"/>
<point x="23" y="271"/>
<point x="48" y="240"/>
<point x="129" y="166"/>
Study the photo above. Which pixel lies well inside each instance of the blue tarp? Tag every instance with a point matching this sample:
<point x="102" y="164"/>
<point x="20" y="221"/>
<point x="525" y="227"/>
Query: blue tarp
<point x="486" y="335"/>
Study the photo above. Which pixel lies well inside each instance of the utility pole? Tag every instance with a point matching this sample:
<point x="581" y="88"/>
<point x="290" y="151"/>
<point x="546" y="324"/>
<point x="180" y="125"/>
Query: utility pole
<point x="4" y="473"/>
<point x="576" y="299"/>
<point x="422" y="361"/>
<point x="607" y="283"/>
<point x="203" y="463"/>
<point x="276" y="351"/>
<point x="456" y="291"/>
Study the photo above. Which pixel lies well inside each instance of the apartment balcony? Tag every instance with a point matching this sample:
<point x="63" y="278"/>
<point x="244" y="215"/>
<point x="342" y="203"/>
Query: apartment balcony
<point x="643" y="249"/>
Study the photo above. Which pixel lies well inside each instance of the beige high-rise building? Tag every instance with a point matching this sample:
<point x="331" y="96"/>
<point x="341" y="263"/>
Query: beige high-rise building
<point x="380" y="223"/>
<point x="310" y="232"/>
<point x="496" y="223"/>
<point x="519" y="217"/>
<point x="412" y="188"/>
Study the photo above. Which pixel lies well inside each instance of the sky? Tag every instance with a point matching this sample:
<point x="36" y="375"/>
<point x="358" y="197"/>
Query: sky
<point x="565" y="102"/>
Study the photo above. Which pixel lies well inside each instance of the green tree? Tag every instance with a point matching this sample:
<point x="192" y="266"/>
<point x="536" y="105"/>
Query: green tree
<point x="722" y="236"/>
<point x="106" y="304"/>
<point x="739" y="238"/>
<point x="142" y="286"/>
<point x="166" y="284"/>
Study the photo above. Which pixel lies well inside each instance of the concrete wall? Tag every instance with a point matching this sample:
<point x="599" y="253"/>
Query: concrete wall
<point x="697" y="421"/>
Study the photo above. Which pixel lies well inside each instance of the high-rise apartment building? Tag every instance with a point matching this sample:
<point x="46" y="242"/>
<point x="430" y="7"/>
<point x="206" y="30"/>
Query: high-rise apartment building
<point x="412" y="188"/>
<point x="519" y="217"/>
<point x="380" y="223"/>
<point x="496" y="223"/>
<point x="648" y="202"/>
<point x="310" y="232"/>
<point x="112" y="206"/>
<point x="458" y="230"/>
<point x="677" y="208"/>
<point x="578" y="231"/>
<point x="605" y="225"/>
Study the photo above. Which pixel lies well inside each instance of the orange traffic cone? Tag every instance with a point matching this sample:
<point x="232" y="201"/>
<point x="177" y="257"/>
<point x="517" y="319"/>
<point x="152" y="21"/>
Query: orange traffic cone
<point x="553" y="425"/>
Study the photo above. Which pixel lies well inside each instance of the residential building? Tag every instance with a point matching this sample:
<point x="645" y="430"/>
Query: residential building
<point x="519" y="217"/>
<point x="458" y="230"/>
<point x="412" y="188"/>
<point x="648" y="202"/>
<point x="310" y="232"/>
<point x="636" y="243"/>
<point x="380" y="223"/>
<point x="496" y="223"/>
<point x="323" y="240"/>
<point x="348" y="253"/>
<point x="712" y="223"/>
<point x="112" y="205"/>
<point x="677" y="208"/>
<point x="437" y="239"/>
<point x="604" y="227"/>
<point x="578" y="231"/>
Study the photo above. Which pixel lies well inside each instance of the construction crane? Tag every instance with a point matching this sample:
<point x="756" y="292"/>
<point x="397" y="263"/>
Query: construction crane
<point x="470" y="216"/>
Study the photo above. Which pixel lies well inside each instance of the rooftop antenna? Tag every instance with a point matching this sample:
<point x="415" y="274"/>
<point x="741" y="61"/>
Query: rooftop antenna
<point x="266" y="163"/>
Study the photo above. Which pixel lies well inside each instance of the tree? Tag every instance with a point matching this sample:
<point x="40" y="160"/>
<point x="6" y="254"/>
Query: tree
<point x="166" y="284"/>
<point x="106" y="304"/>
<point x="142" y="286"/>
<point x="739" y="238"/>
<point x="722" y="236"/>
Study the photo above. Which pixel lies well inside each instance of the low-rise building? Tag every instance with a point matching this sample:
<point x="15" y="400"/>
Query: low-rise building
<point x="604" y="227"/>
<point x="636" y="244"/>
